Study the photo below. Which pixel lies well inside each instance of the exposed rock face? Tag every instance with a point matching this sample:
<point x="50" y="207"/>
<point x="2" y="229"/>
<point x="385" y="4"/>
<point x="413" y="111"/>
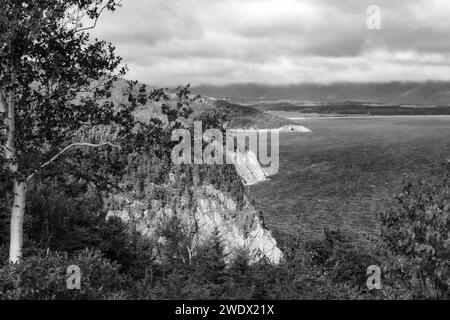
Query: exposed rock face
<point x="239" y="228"/>
<point x="214" y="210"/>
<point x="248" y="167"/>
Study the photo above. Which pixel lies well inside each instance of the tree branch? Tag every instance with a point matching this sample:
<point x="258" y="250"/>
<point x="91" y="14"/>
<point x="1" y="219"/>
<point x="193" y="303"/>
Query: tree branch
<point x="105" y="7"/>
<point x="73" y="145"/>
<point x="95" y="22"/>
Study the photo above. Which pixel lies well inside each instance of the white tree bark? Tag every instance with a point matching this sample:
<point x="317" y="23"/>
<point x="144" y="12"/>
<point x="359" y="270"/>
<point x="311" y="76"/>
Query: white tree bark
<point x="17" y="216"/>
<point x="19" y="187"/>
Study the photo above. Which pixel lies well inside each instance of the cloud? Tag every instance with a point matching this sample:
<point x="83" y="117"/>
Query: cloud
<point x="279" y="41"/>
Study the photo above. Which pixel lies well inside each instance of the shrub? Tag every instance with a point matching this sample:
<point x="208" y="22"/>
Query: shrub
<point x="416" y="238"/>
<point x="43" y="277"/>
<point x="341" y="259"/>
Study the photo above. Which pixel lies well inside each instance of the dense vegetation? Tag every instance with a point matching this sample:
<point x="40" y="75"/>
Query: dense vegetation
<point x="247" y="117"/>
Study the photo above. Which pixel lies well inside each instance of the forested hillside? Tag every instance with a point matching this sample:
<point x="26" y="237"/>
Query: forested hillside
<point x="235" y="116"/>
<point x="87" y="180"/>
<point x="246" y="117"/>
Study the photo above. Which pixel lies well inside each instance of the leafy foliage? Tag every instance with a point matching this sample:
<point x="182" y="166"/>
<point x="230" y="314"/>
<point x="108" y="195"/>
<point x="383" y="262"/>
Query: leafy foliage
<point x="57" y="76"/>
<point x="43" y="277"/>
<point x="339" y="258"/>
<point x="416" y="237"/>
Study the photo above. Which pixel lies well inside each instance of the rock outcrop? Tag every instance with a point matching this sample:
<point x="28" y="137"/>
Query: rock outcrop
<point x="239" y="228"/>
<point x="248" y="167"/>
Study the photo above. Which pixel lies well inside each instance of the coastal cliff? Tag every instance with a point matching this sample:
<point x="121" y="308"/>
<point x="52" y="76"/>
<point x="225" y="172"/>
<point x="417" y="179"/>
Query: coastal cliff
<point x="248" y="167"/>
<point x="239" y="228"/>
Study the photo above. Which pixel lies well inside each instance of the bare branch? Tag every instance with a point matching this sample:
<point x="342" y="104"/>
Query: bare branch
<point x="73" y="145"/>
<point x="118" y="3"/>
<point x="95" y="22"/>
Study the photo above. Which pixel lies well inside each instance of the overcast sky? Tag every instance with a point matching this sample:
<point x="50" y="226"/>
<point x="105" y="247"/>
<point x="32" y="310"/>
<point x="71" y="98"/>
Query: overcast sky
<point x="171" y="42"/>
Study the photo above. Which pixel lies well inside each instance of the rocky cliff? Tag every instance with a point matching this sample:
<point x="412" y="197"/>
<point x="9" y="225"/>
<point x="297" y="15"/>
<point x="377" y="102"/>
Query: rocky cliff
<point x="248" y="167"/>
<point x="239" y="228"/>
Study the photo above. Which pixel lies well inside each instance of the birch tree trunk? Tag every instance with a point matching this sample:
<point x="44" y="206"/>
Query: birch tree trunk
<point x="19" y="187"/>
<point x="16" y="227"/>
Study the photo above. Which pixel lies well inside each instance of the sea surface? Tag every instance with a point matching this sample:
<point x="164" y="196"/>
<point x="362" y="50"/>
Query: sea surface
<point x="348" y="170"/>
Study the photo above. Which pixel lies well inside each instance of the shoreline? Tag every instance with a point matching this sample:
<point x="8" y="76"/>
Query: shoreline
<point x="368" y="117"/>
<point x="292" y="128"/>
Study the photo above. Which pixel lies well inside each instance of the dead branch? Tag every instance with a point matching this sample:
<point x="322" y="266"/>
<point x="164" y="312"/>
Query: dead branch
<point x="73" y="145"/>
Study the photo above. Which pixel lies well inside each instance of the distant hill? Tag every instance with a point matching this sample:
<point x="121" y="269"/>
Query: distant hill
<point x="354" y="108"/>
<point x="423" y="93"/>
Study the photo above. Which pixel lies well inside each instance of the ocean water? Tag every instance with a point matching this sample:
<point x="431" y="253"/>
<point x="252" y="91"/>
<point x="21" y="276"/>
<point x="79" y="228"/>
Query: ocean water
<point x="346" y="171"/>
